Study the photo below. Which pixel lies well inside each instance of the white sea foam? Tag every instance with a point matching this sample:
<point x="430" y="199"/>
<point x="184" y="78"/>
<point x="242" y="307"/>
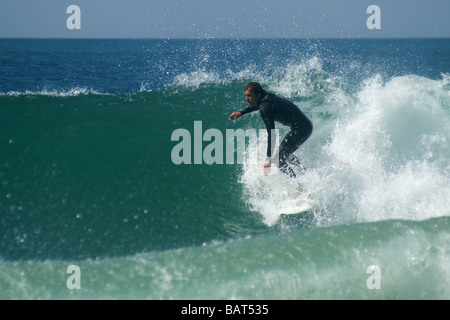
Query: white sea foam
<point x="196" y="78"/>
<point x="54" y="92"/>
<point x="386" y="157"/>
<point x="290" y="80"/>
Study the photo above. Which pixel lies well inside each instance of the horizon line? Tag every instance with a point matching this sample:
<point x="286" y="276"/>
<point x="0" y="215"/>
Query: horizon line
<point x="228" y="38"/>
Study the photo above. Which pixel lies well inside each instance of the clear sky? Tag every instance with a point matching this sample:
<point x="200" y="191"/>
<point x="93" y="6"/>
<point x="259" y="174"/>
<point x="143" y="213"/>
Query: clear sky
<point x="224" y="18"/>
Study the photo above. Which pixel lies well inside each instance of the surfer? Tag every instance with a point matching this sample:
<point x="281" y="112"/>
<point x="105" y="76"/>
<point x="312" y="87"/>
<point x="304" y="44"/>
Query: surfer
<point x="273" y="108"/>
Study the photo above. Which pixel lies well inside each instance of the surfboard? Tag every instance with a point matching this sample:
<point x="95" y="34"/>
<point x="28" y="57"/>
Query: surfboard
<point x="297" y="211"/>
<point x="299" y="208"/>
<point x="296" y="202"/>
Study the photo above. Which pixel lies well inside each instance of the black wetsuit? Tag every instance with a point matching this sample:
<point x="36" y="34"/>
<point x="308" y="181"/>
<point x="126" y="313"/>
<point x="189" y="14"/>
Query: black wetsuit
<point x="274" y="108"/>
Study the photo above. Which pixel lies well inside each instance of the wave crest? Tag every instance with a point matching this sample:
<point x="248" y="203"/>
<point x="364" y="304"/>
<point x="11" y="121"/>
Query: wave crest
<point x="73" y="92"/>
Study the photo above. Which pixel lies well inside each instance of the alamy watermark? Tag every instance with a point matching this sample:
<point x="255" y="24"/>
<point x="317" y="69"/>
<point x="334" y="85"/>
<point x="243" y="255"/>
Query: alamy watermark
<point x="74" y="20"/>
<point x="74" y="280"/>
<point x="374" y="281"/>
<point x="374" y="21"/>
<point x="211" y="147"/>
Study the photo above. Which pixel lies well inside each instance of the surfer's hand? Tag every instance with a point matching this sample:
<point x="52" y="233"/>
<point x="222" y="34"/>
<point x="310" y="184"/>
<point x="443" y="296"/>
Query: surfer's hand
<point x="267" y="167"/>
<point x="235" y="115"/>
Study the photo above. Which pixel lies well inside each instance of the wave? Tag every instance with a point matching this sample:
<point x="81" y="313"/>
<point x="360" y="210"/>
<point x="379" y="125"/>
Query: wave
<point x="87" y="178"/>
<point x="379" y="152"/>
<point x="322" y="263"/>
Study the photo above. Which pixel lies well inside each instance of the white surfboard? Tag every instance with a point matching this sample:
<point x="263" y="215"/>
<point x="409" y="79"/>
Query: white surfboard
<point x="299" y="208"/>
<point x="295" y="203"/>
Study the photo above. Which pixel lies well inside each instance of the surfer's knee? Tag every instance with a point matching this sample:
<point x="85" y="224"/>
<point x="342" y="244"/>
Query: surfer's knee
<point x="287" y="170"/>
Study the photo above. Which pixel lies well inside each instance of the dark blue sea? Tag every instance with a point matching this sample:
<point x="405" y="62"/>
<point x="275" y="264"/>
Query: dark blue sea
<point x="88" y="178"/>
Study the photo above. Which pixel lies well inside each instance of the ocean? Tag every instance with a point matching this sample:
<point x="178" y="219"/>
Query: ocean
<point x="93" y="205"/>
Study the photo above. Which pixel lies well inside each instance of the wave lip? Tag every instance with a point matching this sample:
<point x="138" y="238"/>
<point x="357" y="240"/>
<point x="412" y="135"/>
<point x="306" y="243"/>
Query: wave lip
<point x="73" y="92"/>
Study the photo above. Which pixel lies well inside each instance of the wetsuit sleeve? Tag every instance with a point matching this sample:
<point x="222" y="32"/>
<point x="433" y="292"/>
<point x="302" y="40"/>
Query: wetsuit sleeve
<point x="248" y="110"/>
<point x="270" y="125"/>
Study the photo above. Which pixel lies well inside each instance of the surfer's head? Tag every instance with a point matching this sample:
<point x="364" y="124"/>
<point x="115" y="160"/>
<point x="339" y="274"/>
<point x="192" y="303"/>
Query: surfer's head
<point x="254" y="93"/>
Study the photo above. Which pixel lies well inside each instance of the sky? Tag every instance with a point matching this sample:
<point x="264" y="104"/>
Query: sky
<point x="195" y="19"/>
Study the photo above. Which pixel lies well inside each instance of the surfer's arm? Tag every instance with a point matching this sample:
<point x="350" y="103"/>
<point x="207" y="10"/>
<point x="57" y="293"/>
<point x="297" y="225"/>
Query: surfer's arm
<point x="248" y="110"/>
<point x="271" y="135"/>
<point x="270" y="126"/>
<point x="237" y="114"/>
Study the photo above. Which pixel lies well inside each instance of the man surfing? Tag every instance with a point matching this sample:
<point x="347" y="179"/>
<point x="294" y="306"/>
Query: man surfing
<point x="273" y="108"/>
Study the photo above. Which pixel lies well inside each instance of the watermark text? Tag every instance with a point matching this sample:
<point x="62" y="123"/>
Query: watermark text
<point x="74" y="280"/>
<point x="74" y="20"/>
<point x="219" y="150"/>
